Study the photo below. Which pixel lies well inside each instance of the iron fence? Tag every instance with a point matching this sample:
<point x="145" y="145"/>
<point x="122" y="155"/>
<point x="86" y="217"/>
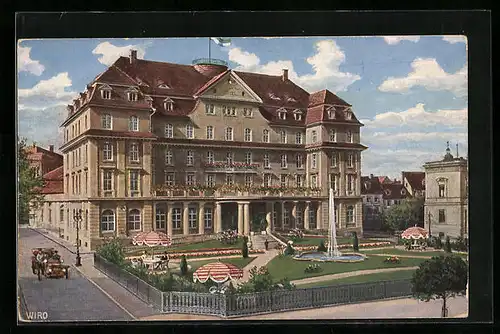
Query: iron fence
<point x="234" y="305"/>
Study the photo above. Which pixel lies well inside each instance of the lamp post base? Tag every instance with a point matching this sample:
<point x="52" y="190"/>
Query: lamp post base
<point x="78" y="261"/>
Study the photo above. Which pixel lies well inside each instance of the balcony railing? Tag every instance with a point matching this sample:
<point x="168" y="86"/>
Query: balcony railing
<point x="236" y="191"/>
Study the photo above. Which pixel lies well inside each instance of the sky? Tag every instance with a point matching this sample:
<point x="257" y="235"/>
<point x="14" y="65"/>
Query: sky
<point x="410" y="92"/>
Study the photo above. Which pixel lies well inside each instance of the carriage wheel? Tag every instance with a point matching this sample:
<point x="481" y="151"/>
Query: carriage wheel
<point x="66" y="274"/>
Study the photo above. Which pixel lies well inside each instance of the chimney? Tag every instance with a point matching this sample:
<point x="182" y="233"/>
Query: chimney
<point x="51" y="148"/>
<point x="284" y="76"/>
<point x="457" y="152"/>
<point x="133" y="56"/>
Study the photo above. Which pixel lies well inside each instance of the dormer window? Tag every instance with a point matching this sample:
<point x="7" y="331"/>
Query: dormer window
<point x="149" y="100"/>
<point x="348" y="113"/>
<point x="106" y="94"/>
<point x="387" y="192"/>
<point x="168" y="104"/>
<point x="403" y="192"/>
<point x="132" y="94"/>
<point x="291" y="99"/>
<point x="163" y="86"/>
<point x="274" y="97"/>
<point x="247" y="112"/>
<point x="282" y="113"/>
<point x="331" y="113"/>
<point x="297" y="115"/>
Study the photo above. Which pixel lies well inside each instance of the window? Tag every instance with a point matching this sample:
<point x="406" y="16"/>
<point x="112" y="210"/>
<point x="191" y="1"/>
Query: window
<point x="298" y="180"/>
<point x="133" y="123"/>
<point x="248" y="158"/>
<point x="134" y="152"/>
<point x="331" y="113"/>
<point x="61" y="215"/>
<point x="333" y="182"/>
<point x="229" y="179"/>
<point x="442" y="189"/>
<point x="350" y="183"/>
<point x="134" y="180"/>
<point x="314" y="181"/>
<point x="267" y="180"/>
<point x="210" y="180"/>
<point x="168" y="158"/>
<point x="229" y="111"/>
<point x="350" y="160"/>
<point x="247" y="112"/>
<point x="348" y="113"/>
<point x="349" y="136"/>
<point x="169" y="131"/>
<point x="208" y="217"/>
<point x="267" y="163"/>
<point x="106" y="121"/>
<point x="107" y="221"/>
<point x="314" y="161"/>
<point x="375" y="199"/>
<point x="50" y="215"/>
<point x="189" y="131"/>
<point x="350" y="215"/>
<point x="190" y="179"/>
<point x="442" y="216"/>
<point x="248" y="180"/>
<point x="286" y="217"/>
<point x="86" y="153"/>
<point x="298" y="115"/>
<point x="209" y="109"/>
<point x="210" y="157"/>
<point x="283" y="136"/>
<point x="132" y="96"/>
<point x="299" y="160"/>
<point x="176" y="218"/>
<point x="298" y="138"/>
<point x="265" y="136"/>
<point x="107" y="152"/>
<point x="168" y="104"/>
<point x="210" y="132"/>
<point x="284" y="161"/>
<point x="314" y="136"/>
<point x="333" y="135"/>
<point x="229" y="158"/>
<point x="233" y="111"/>
<point x="189" y="158"/>
<point x="86" y="182"/>
<point x="161" y="218"/>
<point x="299" y="218"/>
<point x="229" y="134"/>
<point x="283" y="180"/>
<point x="106" y="94"/>
<point x="248" y="135"/>
<point x="282" y="114"/>
<point x="333" y="159"/>
<point x="192" y="217"/>
<point x="134" y="220"/>
<point x="169" y="178"/>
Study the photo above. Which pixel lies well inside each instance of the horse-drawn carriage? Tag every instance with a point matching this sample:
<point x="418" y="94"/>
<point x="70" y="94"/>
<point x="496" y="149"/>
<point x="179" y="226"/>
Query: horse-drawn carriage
<point x="46" y="262"/>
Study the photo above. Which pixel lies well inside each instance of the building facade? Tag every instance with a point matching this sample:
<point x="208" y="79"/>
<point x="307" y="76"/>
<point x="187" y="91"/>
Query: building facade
<point x="195" y="149"/>
<point x="43" y="160"/>
<point x="373" y="202"/>
<point x="446" y="196"/>
<point x="414" y="182"/>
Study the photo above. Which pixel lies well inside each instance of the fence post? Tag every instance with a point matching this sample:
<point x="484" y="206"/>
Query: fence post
<point x="312" y="297"/>
<point x="385" y="288"/>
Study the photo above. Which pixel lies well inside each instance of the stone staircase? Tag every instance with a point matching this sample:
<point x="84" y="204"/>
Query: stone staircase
<point x="259" y="239"/>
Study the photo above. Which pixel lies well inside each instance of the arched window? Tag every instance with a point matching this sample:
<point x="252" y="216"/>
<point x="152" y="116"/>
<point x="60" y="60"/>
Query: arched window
<point x="161" y="218"/>
<point x="133" y="123"/>
<point x="350" y="214"/>
<point x="134" y="220"/>
<point x="107" y="221"/>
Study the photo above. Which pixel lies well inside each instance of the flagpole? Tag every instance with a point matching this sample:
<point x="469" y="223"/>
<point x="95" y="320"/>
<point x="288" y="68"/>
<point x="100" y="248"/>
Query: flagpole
<point x="209" y="49"/>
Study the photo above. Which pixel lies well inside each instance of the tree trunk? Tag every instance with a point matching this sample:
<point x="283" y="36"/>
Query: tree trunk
<point x="444" y="310"/>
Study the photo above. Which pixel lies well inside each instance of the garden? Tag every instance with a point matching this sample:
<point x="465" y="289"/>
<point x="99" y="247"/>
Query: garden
<point x="377" y="277"/>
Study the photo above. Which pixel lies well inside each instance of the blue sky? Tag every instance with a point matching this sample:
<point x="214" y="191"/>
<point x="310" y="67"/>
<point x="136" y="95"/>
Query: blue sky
<point x="410" y="91"/>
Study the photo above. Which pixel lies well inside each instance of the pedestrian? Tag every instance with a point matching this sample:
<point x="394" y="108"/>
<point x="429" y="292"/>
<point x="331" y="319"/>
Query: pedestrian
<point x="266" y="244"/>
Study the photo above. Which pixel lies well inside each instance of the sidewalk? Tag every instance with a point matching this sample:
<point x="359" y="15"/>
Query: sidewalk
<point x="61" y="242"/>
<point x="260" y="261"/>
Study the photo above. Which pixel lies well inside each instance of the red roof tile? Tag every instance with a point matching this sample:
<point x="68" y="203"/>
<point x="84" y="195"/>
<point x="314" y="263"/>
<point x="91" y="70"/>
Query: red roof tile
<point x="415" y="179"/>
<point x="394" y="191"/>
<point x="326" y="97"/>
<point x="370" y="186"/>
<point x="53" y="187"/>
<point x="181" y="107"/>
<point x="113" y="75"/>
<point x="55" y="174"/>
<point x="210" y="82"/>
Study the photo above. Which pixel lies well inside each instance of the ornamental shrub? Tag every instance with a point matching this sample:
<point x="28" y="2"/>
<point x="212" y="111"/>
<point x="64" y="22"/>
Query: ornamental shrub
<point x="244" y="247"/>
<point x="184" y="266"/>
<point x="355" y="242"/>
<point x="447" y="245"/>
<point x="113" y="251"/>
<point x="439" y="243"/>
<point x="289" y="250"/>
<point x="322" y="247"/>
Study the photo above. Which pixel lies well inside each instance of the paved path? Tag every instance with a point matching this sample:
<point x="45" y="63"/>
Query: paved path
<point x="260" y="261"/>
<point x="73" y="299"/>
<point x="384" y="309"/>
<point x="323" y="278"/>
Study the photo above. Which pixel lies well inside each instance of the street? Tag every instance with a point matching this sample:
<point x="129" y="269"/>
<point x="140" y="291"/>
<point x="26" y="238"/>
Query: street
<point x="73" y="299"/>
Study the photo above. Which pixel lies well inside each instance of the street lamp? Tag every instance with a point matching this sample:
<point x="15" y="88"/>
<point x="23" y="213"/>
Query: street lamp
<point x="78" y="219"/>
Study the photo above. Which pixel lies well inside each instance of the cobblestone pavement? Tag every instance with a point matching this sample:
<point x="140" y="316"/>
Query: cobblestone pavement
<point x="73" y="299"/>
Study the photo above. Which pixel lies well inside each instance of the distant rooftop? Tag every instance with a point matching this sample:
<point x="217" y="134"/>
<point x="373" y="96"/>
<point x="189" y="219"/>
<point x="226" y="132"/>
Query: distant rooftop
<point x="209" y="61"/>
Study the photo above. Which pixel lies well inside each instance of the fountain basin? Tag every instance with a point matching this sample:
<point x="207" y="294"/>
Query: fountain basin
<point x="324" y="257"/>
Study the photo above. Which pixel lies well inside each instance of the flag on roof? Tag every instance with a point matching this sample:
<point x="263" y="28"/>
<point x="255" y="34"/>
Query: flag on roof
<point x="221" y="41"/>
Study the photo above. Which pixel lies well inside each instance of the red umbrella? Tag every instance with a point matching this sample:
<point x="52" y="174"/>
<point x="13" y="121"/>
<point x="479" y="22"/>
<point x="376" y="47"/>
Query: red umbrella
<point x="218" y="272"/>
<point x="151" y="239"/>
<point x="415" y="232"/>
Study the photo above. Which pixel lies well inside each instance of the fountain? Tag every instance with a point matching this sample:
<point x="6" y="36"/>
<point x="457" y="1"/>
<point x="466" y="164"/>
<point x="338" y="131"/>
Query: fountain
<point x="332" y="254"/>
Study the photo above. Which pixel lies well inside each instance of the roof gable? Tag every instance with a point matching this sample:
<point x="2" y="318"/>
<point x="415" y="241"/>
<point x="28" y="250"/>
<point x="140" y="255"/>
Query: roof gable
<point x="228" y="86"/>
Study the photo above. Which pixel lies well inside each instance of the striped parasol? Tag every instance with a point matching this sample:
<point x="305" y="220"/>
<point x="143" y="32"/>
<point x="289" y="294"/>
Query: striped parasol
<point x="415" y="232"/>
<point x="151" y="239"/>
<point x="218" y="272"/>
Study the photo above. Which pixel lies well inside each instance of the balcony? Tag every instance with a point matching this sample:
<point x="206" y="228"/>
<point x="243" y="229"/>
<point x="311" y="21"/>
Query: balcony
<point x="234" y="167"/>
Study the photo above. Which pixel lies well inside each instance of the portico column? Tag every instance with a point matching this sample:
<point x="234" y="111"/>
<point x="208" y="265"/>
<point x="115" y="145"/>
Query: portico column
<point x="306" y="215"/>
<point x="318" y="216"/>
<point x="153" y="219"/>
<point x="340" y="215"/>
<point x="246" y="218"/>
<point x="169" y="219"/>
<point x="240" y="219"/>
<point x="269" y="212"/>
<point x="218" y="217"/>
<point x="201" y="218"/>
<point x="185" y="219"/>
<point x="282" y="215"/>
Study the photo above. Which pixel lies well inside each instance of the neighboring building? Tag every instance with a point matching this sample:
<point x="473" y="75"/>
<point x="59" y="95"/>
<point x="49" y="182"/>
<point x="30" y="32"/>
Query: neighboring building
<point x="373" y="202"/>
<point x="42" y="160"/>
<point x="446" y="195"/>
<point x="195" y="149"/>
<point x="394" y="193"/>
<point x="414" y="182"/>
<point x="384" y="180"/>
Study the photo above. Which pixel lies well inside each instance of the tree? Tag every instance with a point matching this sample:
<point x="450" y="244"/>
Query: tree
<point x="447" y="245"/>
<point x="113" y="251"/>
<point x="401" y="216"/>
<point x="30" y="185"/>
<point x="355" y="242"/>
<point x="322" y="247"/>
<point x="184" y="265"/>
<point x="441" y="277"/>
<point x="244" y="247"/>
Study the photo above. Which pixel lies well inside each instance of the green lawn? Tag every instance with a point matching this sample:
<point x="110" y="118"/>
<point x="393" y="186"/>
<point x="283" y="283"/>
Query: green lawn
<point x="395" y="275"/>
<point x="285" y="266"/>
<point x="396" y="251"/>
<point x="240" y="262"/>
<point x="136" y="250"/>
<point x="317" y="241"/>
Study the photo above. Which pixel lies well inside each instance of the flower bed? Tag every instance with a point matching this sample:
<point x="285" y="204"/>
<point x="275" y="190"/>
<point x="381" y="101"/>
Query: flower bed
<point x="313" y="268"/>
<point x="344" y="246"/>
<point x="208" y="253"/>
<point x="393" y="259"/>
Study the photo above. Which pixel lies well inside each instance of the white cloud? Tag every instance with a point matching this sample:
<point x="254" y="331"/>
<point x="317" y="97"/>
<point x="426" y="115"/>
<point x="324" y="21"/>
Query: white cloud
<point x="325" y="64"/>
<point x="26" y="64"/>
<point x="109" y="53"/>
<point x="428" y="74"/>
<point x="419" y="117"/>
<point x="418" y="137"/>
<point x="452" y="39"/>
<point x="42" y="125"/>
<point x="392" y="40"/>
<point x="46" y="93"/>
